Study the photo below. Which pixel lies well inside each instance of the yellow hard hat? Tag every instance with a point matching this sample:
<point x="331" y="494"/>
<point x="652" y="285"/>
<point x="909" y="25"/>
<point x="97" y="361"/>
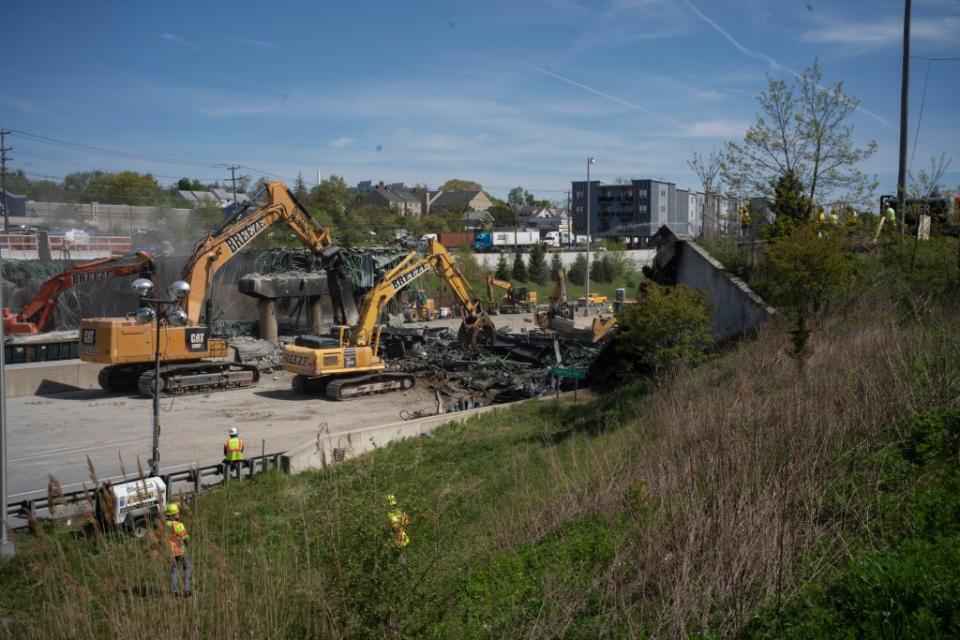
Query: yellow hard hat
<point x="173" y="509"/>
<point x="391" y="500"/>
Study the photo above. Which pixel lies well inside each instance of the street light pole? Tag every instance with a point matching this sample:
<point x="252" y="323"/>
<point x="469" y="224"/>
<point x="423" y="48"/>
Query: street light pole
<point x="175" y="316"/>
<point x="586" y="307"/>
<point x="6" y="545"/>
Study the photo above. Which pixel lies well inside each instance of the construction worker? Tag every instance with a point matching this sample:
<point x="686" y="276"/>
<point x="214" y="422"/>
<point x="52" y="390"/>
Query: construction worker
<point x="233" y="452"/>
<point x="398" y="520"/>
<point x="176" y="541"/>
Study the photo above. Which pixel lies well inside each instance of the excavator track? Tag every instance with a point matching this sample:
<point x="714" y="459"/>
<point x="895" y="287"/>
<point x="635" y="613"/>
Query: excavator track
<point x="120" y="377"/>
<point x="355" y="386"/>
<point x="198" y="377"/>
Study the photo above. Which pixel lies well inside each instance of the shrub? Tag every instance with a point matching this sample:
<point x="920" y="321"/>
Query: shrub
<point x="668" y="325"/>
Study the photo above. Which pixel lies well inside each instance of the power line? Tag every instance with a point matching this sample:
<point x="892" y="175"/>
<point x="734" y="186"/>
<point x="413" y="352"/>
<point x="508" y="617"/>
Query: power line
<point x="76" y="146"/>
<point x="923" y="100"/>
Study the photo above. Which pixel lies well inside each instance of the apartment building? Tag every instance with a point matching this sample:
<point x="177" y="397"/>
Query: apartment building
<point x="639" y="207"/>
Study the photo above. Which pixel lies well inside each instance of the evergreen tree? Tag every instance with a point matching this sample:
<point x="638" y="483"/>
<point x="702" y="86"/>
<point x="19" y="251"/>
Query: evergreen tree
<point x="300" y="189"/>
<point x="555" y="265"/>
<point x="503" y="268"/>
<point x="578" y="270"/>
<point x="519" y="268"/>
<point x="538" y="265"/>
<point x="790" y="205"/>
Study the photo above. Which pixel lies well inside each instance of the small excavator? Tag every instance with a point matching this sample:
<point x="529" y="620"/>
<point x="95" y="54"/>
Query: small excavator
<point x="191" y="360"/>
<point x="516" y="299"/>
<point x="37" y="314"/>
<point x="350" y="365"/>
<point x="559" y="308"/>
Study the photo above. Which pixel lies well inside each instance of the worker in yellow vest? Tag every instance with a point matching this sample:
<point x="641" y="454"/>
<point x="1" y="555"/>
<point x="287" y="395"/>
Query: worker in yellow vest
<point x="176" y="543"/>
<point x="233" y="452"/>
<point x="398" y="521"/>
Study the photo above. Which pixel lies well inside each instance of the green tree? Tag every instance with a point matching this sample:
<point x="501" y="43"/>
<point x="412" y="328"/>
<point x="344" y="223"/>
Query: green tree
<point x="126" y="187"/>
<point x="78" y="181"/>
<point x="555" y="265"/>
<point x="667" y="326"/>
<point x="578" y="270"/>
<point x="503" y="268"/>
<point x="332" y="196"/>
<point x="519" y="268"/>
<point x="802" y="272"/>
<point x="503" y="216"/>
<point x="537" y="268"/>
<point x="802" y="129"/>
<point x="456" y="184"/>
<point x="299" y="188"/>
<point x="184" y="184"/>
<point x="516" y="197"/>
<point x="789" y="204"/>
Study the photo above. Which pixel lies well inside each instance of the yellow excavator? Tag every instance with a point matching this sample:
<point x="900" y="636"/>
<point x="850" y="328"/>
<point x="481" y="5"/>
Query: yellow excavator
<point x="192" y="361"/>
<point x="516" y="298"/>
<point x="350" y="365"/>
<point x="559" y="308"/>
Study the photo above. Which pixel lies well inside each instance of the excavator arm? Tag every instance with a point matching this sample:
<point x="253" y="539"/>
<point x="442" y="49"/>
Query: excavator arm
<point x="38" y="312"/>
<point x="500" y="284"/>
<point x="225" y="241"/>
<point x="436" y="258"/>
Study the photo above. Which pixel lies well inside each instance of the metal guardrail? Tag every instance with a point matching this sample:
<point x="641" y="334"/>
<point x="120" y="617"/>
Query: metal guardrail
<point x="196" y="479"/>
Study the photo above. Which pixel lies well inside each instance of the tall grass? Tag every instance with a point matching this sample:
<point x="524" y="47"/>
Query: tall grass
<point x="670" y="510"/>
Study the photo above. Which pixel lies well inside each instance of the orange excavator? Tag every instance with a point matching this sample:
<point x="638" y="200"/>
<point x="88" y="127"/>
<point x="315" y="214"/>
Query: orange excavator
<point x="37" y="314"/>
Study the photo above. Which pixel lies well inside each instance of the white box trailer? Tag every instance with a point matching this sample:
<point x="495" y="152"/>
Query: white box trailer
<point x="523" y="238"/>
<point x="131" y="505"/>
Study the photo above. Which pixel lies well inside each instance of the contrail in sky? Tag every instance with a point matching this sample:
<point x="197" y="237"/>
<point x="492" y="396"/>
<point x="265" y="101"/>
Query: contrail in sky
<point x="606" y="95"/>
<point x="764" y="57"/>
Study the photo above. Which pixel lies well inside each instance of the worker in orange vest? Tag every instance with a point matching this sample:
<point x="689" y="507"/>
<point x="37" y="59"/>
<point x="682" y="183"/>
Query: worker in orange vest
<point x="176" y="542"/>
<point x="233" y="452"/>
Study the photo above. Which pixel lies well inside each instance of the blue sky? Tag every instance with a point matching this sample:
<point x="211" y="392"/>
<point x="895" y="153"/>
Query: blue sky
<point x="503" y="92"/>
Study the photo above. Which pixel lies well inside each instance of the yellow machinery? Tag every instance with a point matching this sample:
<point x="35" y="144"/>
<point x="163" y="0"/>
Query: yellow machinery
<point x="350" y="364"/>
<point x="127" y="348"/>
<point x="559" y="308"/>
<point x="421" y="308"/>
<point x="516" y="298"/>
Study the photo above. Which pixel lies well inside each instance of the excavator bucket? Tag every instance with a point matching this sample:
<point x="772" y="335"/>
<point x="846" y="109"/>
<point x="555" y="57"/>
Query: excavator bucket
<point x="479" y="332"/>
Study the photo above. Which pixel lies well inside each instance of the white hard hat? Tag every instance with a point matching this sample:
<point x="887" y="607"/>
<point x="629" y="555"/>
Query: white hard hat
<point x="233" y="431"/>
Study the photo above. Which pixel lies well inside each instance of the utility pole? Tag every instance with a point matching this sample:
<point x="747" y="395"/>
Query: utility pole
<point x="6" y="546"/>
<point x="586" y="307"/>
<point x="233" y="179"/>
<point x="904" y="94"/>
<point x="3" y="178"/>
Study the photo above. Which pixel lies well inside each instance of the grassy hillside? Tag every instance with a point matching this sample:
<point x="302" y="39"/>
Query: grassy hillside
<point x="739" y="498"/>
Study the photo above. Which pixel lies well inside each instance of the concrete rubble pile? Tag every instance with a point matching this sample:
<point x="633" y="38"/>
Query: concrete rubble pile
<point x="268" y="356"/>
<point x="517" y="367"/>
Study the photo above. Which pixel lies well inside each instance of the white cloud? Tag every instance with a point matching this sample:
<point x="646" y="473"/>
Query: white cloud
<point x="716" y="128"/>
<point x="177" y="40"/>
<point x="340" y="143"/>
<point x="882" y="33"/>
<point x="21" y="105"/>
<point x="251" y="42"/>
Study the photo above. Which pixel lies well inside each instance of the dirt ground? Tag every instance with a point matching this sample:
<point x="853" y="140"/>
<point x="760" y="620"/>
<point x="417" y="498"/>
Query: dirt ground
<point x="55" y="434"/>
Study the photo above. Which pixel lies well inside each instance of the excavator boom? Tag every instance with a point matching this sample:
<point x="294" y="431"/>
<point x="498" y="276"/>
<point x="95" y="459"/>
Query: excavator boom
<point x="38" y="312"/>
<point x="351" y="365"/>
<point x="128" y="348"/>
<point x="225" y="241"/>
